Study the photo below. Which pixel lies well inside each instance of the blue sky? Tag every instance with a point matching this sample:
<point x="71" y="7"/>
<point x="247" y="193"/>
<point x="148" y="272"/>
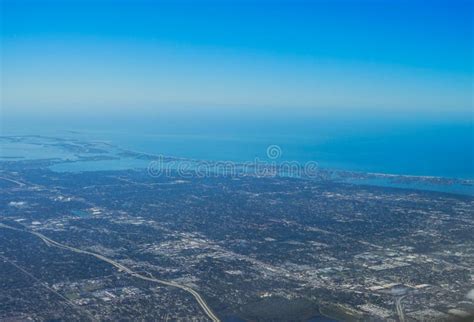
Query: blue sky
<point x="395" y="58"/>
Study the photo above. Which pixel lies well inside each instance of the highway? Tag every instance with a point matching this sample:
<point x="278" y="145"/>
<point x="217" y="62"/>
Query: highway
<point x="48" y="241"/>
<point x="21" y="184"/>
<point x="398" y="304"/>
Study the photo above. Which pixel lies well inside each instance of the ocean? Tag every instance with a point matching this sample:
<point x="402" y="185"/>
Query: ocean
<point x="436" y="150"/>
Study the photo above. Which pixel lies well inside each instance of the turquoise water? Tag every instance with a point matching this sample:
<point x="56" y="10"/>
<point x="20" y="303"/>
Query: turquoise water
<point x="389" y="154"/>
<point x="443" y="151"/>
<point x="19" y="150"/>
<point x="431" y="154"/>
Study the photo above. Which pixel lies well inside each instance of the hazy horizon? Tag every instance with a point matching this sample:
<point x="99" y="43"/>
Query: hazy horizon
<point x="396" y="58"/>
<point x="380" y="83"/>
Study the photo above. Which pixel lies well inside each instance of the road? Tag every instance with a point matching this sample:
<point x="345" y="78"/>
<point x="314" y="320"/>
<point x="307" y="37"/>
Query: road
<point x="48" y="241"/>
<point x="21" y="184"/>
<point x="46" y="286"/>
<point x="398" y="304"/>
